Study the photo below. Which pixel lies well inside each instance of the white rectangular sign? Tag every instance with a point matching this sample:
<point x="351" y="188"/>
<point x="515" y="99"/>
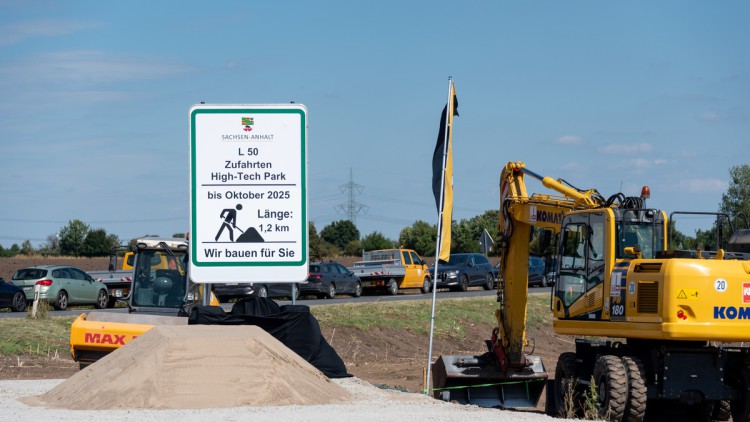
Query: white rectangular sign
<point x="248" y="193"/>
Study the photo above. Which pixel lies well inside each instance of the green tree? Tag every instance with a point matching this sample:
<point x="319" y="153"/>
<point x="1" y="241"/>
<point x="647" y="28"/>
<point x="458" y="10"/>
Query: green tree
<point x="340" y="233"/>
<point x="420" y="236"/>
<point x="314" y="242"/>
<point x="376" y="240"/>
<point x="72" y="237"/>
<point x="98" y="243"/>
<point x="353" y="248"/>
<point x="51" y="246"/>
<point x="736" y="199"/>
<point x="27" y="248"/>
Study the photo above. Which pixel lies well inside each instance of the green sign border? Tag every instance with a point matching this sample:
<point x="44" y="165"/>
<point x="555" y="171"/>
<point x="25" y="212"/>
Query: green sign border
<point x="303" y="183"/>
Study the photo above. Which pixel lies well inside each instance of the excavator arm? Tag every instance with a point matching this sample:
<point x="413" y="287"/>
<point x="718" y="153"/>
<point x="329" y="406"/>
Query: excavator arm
<point x="505" y="376"/>
<point x="519" y="214"/>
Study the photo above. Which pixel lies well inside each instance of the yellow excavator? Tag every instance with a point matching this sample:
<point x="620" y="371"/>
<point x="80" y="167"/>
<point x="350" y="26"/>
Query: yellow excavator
<point x="655" y="327"/>
<point x="161" y="293"/>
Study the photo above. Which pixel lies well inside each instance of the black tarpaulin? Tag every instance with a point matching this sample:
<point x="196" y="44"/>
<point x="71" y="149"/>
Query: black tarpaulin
<point x="293" y="325"/>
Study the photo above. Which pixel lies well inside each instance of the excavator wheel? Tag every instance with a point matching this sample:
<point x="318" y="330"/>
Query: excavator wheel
<point x="722" y="411"/>
<point x="612" y="387"/>
<point x="741" y="407"/>
<point x="567" y="392"/>
<point x="635" y="406"/>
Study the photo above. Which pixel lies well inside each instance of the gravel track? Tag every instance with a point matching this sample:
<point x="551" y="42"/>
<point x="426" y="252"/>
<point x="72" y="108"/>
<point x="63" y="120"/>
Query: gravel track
<point x="370" y="404"/>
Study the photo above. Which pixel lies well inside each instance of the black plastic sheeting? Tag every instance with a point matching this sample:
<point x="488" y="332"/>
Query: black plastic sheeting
<point x="292" y="325"/>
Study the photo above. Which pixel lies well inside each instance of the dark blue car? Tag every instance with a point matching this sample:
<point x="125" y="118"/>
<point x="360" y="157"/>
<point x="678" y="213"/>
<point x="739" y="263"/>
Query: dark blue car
<point x="539" y="273"/>
<point x="12" y="296"/>
<point x="464" y="270"/>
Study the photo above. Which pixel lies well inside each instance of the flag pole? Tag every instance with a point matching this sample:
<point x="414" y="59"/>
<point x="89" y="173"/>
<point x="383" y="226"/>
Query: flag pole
<point x="448" y="113"/>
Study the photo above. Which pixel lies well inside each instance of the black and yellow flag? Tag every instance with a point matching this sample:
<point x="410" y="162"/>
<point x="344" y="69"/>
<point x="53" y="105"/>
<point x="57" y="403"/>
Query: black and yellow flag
<point x="442" y="177"/>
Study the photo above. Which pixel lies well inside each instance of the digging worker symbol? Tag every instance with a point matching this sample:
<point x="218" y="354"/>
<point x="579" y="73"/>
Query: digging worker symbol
<point x="230" y="221"/>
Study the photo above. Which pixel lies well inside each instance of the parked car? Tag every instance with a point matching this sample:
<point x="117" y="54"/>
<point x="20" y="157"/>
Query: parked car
<point x="327" y="279"/>
<point x="463" y="270"/>
<point x="62" y="285"/>
<point x="537" y="273"/>
<point x="226" y="291"/>
<point x="12" y="296"/>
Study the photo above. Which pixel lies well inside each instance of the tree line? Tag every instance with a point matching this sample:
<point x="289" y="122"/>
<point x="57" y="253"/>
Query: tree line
<point x="342" y="238"/>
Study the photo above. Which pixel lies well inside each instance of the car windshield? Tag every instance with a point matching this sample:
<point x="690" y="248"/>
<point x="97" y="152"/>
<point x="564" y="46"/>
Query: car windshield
<point x="457" y="259"/>
<point x="29" y="274"/>
<point x="314" y="268"/>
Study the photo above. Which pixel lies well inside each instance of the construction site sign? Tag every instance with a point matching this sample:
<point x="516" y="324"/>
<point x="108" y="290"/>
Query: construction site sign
<point x="248" y="193"/>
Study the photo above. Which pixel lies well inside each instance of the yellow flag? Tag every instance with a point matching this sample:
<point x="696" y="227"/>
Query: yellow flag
<point x="444" y="176"/>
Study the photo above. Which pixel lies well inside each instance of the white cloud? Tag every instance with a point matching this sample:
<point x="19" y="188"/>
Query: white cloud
<point x="20" y="31"/>
<point x="85" y="68"/>
<point x="709" y="116"/>
<point x="625" y="148"/>
<point x="703" y="185"/>
<point x="569" y="140"/>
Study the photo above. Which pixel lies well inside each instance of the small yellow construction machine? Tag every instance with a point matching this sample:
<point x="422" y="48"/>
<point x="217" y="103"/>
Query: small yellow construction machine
<point x="656" y="326"/>
<point x="161" y="293"/>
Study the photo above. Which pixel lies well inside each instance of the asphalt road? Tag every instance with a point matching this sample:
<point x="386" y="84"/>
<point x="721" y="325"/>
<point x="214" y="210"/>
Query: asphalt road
<point x="372" y="297"/>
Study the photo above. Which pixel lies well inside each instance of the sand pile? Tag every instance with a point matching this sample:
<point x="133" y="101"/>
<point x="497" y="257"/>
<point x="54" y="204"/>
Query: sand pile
<point x="196" y="366"/>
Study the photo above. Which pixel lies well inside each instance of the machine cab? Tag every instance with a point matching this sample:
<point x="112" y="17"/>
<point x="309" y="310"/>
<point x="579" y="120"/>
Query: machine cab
<point x="593" y="244"/>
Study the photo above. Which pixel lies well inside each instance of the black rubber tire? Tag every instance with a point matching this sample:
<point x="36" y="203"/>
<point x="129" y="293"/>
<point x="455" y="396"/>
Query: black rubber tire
<point x="102" y="300"/>
<point x="357" y="290"/>
<point x="612" y="386"/>
<point x="331" y="293"/>
<point x="18" y="303"/>
<point x="635" y="405"/>
<point x="741" y="407"/>
<point x="565" y="379"/>
<point x="61" y="303"/>
<point x="463" y="283"/>
<point x="489" y="284"/>
<point x="426" y="284"/>
<point x="262" y="291"/>
<point x="392" y="287"/>
<point x="544" y="282"/>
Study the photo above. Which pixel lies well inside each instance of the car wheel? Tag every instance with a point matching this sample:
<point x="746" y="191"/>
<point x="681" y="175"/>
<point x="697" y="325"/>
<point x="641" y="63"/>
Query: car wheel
<point x="61" y="303"/>
<point x="425" y="285"/>
<point x="357" y="289"/>
<point x="19" y="302"/>
<point x="463" y="284"/>
<point x="101" y="300"/>
<point x="331" y="292"/>
<point x="262" y="291"/>
<point x="490" y="283"/>
<point x="543" y="283"/>
<point x="392" y="287"/>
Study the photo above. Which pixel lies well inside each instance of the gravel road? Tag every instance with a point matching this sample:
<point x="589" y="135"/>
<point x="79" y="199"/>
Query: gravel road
<point x="370" y="404"/>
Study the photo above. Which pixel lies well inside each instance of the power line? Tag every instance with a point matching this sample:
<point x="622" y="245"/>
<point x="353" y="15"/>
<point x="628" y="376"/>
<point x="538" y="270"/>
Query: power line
<point x="352" y="207"/>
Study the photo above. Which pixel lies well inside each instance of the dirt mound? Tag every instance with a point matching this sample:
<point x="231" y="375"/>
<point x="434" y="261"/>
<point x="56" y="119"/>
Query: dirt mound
<point x="176" y="367"/>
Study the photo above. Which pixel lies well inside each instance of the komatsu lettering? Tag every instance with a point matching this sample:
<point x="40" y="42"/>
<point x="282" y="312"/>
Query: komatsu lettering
<point x="549" y="217"/>
<point x="97" y="338"/>
<point x="731" y="312"/>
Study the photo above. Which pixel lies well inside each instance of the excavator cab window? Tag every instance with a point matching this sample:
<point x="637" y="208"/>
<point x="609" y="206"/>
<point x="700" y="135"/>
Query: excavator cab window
<point x="581" y="256"/>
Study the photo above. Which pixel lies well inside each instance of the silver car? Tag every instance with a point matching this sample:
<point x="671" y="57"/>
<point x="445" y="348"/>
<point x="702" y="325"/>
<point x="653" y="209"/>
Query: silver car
<point x="61" y="286"/>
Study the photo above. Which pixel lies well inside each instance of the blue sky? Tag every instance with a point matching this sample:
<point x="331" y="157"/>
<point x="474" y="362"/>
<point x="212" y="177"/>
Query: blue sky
<point x="94" y="100"/>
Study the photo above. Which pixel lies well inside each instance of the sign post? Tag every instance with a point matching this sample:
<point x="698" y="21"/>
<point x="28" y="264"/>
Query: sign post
<point x="248" y="193"/>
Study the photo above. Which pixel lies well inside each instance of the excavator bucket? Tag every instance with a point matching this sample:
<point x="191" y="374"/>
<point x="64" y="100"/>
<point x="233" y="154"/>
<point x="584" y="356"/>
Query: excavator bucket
<point x="477" y="380"/>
